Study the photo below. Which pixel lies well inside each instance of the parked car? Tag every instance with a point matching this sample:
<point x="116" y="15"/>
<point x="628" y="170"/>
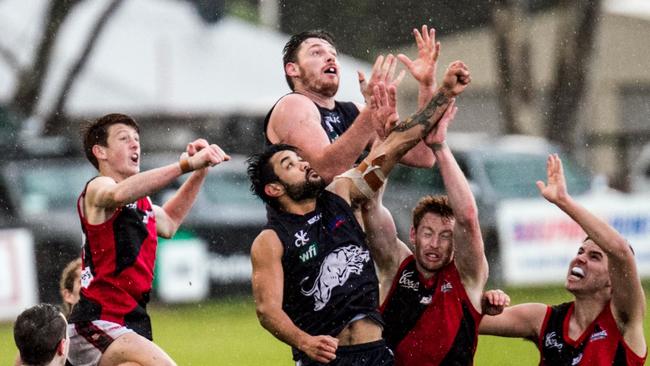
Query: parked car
<point x="40" y="194"/>
<point x="226" y="216"/>
<point x="497" y="168"/>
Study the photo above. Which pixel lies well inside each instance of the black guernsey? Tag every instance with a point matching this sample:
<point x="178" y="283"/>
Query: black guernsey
<point x="334" y="121"/>
<point x="329" y="277"/>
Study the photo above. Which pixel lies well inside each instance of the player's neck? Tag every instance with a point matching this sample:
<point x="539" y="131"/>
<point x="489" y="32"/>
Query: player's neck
<point x="587" y="309"/>
<point x="320" y="99"/>
<point x="299" y="207"/>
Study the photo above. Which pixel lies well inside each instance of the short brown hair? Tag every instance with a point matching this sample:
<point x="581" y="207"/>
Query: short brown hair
<point x="290" y="51"/>
<point x="438" y="205"/>
<point x="96" y="133"/>
<point x="68" y="279"/>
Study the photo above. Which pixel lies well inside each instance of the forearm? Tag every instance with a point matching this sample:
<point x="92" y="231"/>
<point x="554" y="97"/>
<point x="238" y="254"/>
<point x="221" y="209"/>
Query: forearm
<point x="180" y="204"/>
<point x="342" y="153"/>
<point x="137" y="186"/>
<point x="425" y="93"/>
<point x="278" y="323"/>
<point x="409" y="133"/>
<point x="607" y="238"/>
<point x="419" y="157"/>
<point x="457" y="188"/>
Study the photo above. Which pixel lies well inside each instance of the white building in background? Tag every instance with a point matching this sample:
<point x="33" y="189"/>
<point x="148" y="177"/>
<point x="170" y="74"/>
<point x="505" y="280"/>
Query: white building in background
<point x="615" y="119"/>
<point x="157" y="58"/>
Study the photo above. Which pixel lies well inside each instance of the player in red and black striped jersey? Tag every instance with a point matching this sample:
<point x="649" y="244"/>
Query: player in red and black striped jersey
<point x="109" y="324"/>
<point x="603" y="325"/>
<point x="431" y="298"/>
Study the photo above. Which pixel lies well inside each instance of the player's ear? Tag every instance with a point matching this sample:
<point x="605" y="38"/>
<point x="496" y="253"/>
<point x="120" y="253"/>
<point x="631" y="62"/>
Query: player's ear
<point x="274" y="189"/>
<point x="412" y="235"/>
<point x="291" y="69"/>
<point x="99" y="151"/>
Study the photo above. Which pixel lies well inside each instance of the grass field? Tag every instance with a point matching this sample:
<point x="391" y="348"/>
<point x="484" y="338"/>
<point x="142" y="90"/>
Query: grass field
<point x="226" y="332"/>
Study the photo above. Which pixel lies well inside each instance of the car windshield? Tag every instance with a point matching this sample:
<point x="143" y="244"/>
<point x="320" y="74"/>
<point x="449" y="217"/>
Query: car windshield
<point x="514" y="175"/>
<point x="53" y="187"/>
<point x="229" y="188"/>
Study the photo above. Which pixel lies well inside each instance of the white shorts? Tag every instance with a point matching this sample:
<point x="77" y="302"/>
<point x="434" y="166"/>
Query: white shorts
<point x="89" y="340"/>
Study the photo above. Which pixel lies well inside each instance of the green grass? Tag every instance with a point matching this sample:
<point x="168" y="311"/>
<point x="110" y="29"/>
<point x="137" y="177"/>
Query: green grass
<point x="226" y="332"/>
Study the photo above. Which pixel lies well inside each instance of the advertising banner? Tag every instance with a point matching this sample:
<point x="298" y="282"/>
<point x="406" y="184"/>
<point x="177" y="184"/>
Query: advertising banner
<point x="17" y="273"/>
<point x="537" y="240"/>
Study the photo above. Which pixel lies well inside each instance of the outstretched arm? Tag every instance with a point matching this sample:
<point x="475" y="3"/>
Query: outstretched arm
<point x="403" y="136"/>
<point x="296" y="121"/>
<point x="268" y="290"/>
<point x="170" y="216"/>
<point x="469" y="251"/>
<point x="424" y="67"/>
<point x="387" y="250"/>
<point x="104" y="195"/>
<point x="519" y="321"/>
<point x="628" y="299"/>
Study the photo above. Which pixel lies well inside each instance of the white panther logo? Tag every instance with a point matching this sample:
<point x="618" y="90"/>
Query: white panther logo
<point x="335" y="271"/>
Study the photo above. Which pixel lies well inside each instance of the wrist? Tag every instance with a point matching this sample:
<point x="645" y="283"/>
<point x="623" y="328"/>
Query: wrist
<point x="185" y="164"/>
<point x="436" y="146"/>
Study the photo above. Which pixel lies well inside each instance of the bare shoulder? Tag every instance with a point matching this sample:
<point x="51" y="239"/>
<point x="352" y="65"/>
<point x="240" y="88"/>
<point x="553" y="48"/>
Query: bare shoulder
<point x="267" y="243"/>
<point x="97" y="185"/>
<point x="293" y="107"/>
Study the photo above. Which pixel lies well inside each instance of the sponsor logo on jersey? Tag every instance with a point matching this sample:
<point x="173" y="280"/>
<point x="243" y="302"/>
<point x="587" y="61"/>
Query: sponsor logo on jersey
<point x="86" y="277"/>
<point x="406" y="281"/>
<point x="314" y="219"/>
<point x="147" y="215"/>
<point x="426" y="300"/>
<point x="550" y="341"/>
<point x="334" y="272"/>
<point x="337" y="222"/>
<point x="331" y="119"/>
<point x="446" y="287"/>
<point x="301" y="238"/>
<point x="309" y="253"/>
<point x="598" y="334"/>
<point x="576" y="360"/>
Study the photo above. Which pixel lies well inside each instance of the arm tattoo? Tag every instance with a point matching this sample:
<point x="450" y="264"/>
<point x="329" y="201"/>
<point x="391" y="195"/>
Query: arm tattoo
<point x="423" y="117"/>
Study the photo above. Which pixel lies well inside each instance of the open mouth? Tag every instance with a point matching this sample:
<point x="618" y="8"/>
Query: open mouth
<point x="330" y="70"/>
<point x="135" y="157"/>
<point x="578" y="272"/>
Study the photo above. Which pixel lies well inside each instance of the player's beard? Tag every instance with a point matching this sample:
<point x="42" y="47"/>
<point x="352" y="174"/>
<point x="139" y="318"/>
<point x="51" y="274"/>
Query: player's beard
<point x="311" y="82"/>
<point x="305" y="190"/>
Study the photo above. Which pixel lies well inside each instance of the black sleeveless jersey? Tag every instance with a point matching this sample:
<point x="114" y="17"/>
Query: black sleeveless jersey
<point x="334" y="121"/>
<point x="329" y="277"/>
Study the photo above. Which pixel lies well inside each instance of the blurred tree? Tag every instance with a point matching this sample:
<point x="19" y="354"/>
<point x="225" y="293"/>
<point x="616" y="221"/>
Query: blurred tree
<point x="577" y="21"/>
<point x="514" y="80"/>
<point x="54" y="122"/>
<point x="31" y="77"/>
<point x="577" y="27"/>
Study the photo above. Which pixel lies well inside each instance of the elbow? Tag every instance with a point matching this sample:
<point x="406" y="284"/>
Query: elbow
<point x="468" y="218"/>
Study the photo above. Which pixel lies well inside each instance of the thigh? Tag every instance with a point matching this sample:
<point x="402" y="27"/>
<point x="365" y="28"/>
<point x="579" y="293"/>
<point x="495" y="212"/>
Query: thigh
<point x="132" y="347"/>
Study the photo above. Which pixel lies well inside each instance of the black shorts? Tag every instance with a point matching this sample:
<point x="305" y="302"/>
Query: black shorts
<point x="367" y="354"/>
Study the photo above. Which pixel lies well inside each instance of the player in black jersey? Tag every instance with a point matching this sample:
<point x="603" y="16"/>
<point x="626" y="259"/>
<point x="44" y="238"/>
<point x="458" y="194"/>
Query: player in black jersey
<point x="331" y="134"/>
<point x="313" y="279"/>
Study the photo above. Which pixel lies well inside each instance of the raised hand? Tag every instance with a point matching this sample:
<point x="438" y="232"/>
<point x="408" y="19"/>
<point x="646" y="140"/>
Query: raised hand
<point x="456" y="79"/>
<point x="424" y="67"/>
<point x="439" y="134"/>
<point x="383" y="104"/>
<point x="195" y="146"/>
<point x="383" y="71"/>
<point x="321" y="348"/>
<point x="494" y="301"/>
<point x="207" y="156"/>
<point x="555" y="189"/>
